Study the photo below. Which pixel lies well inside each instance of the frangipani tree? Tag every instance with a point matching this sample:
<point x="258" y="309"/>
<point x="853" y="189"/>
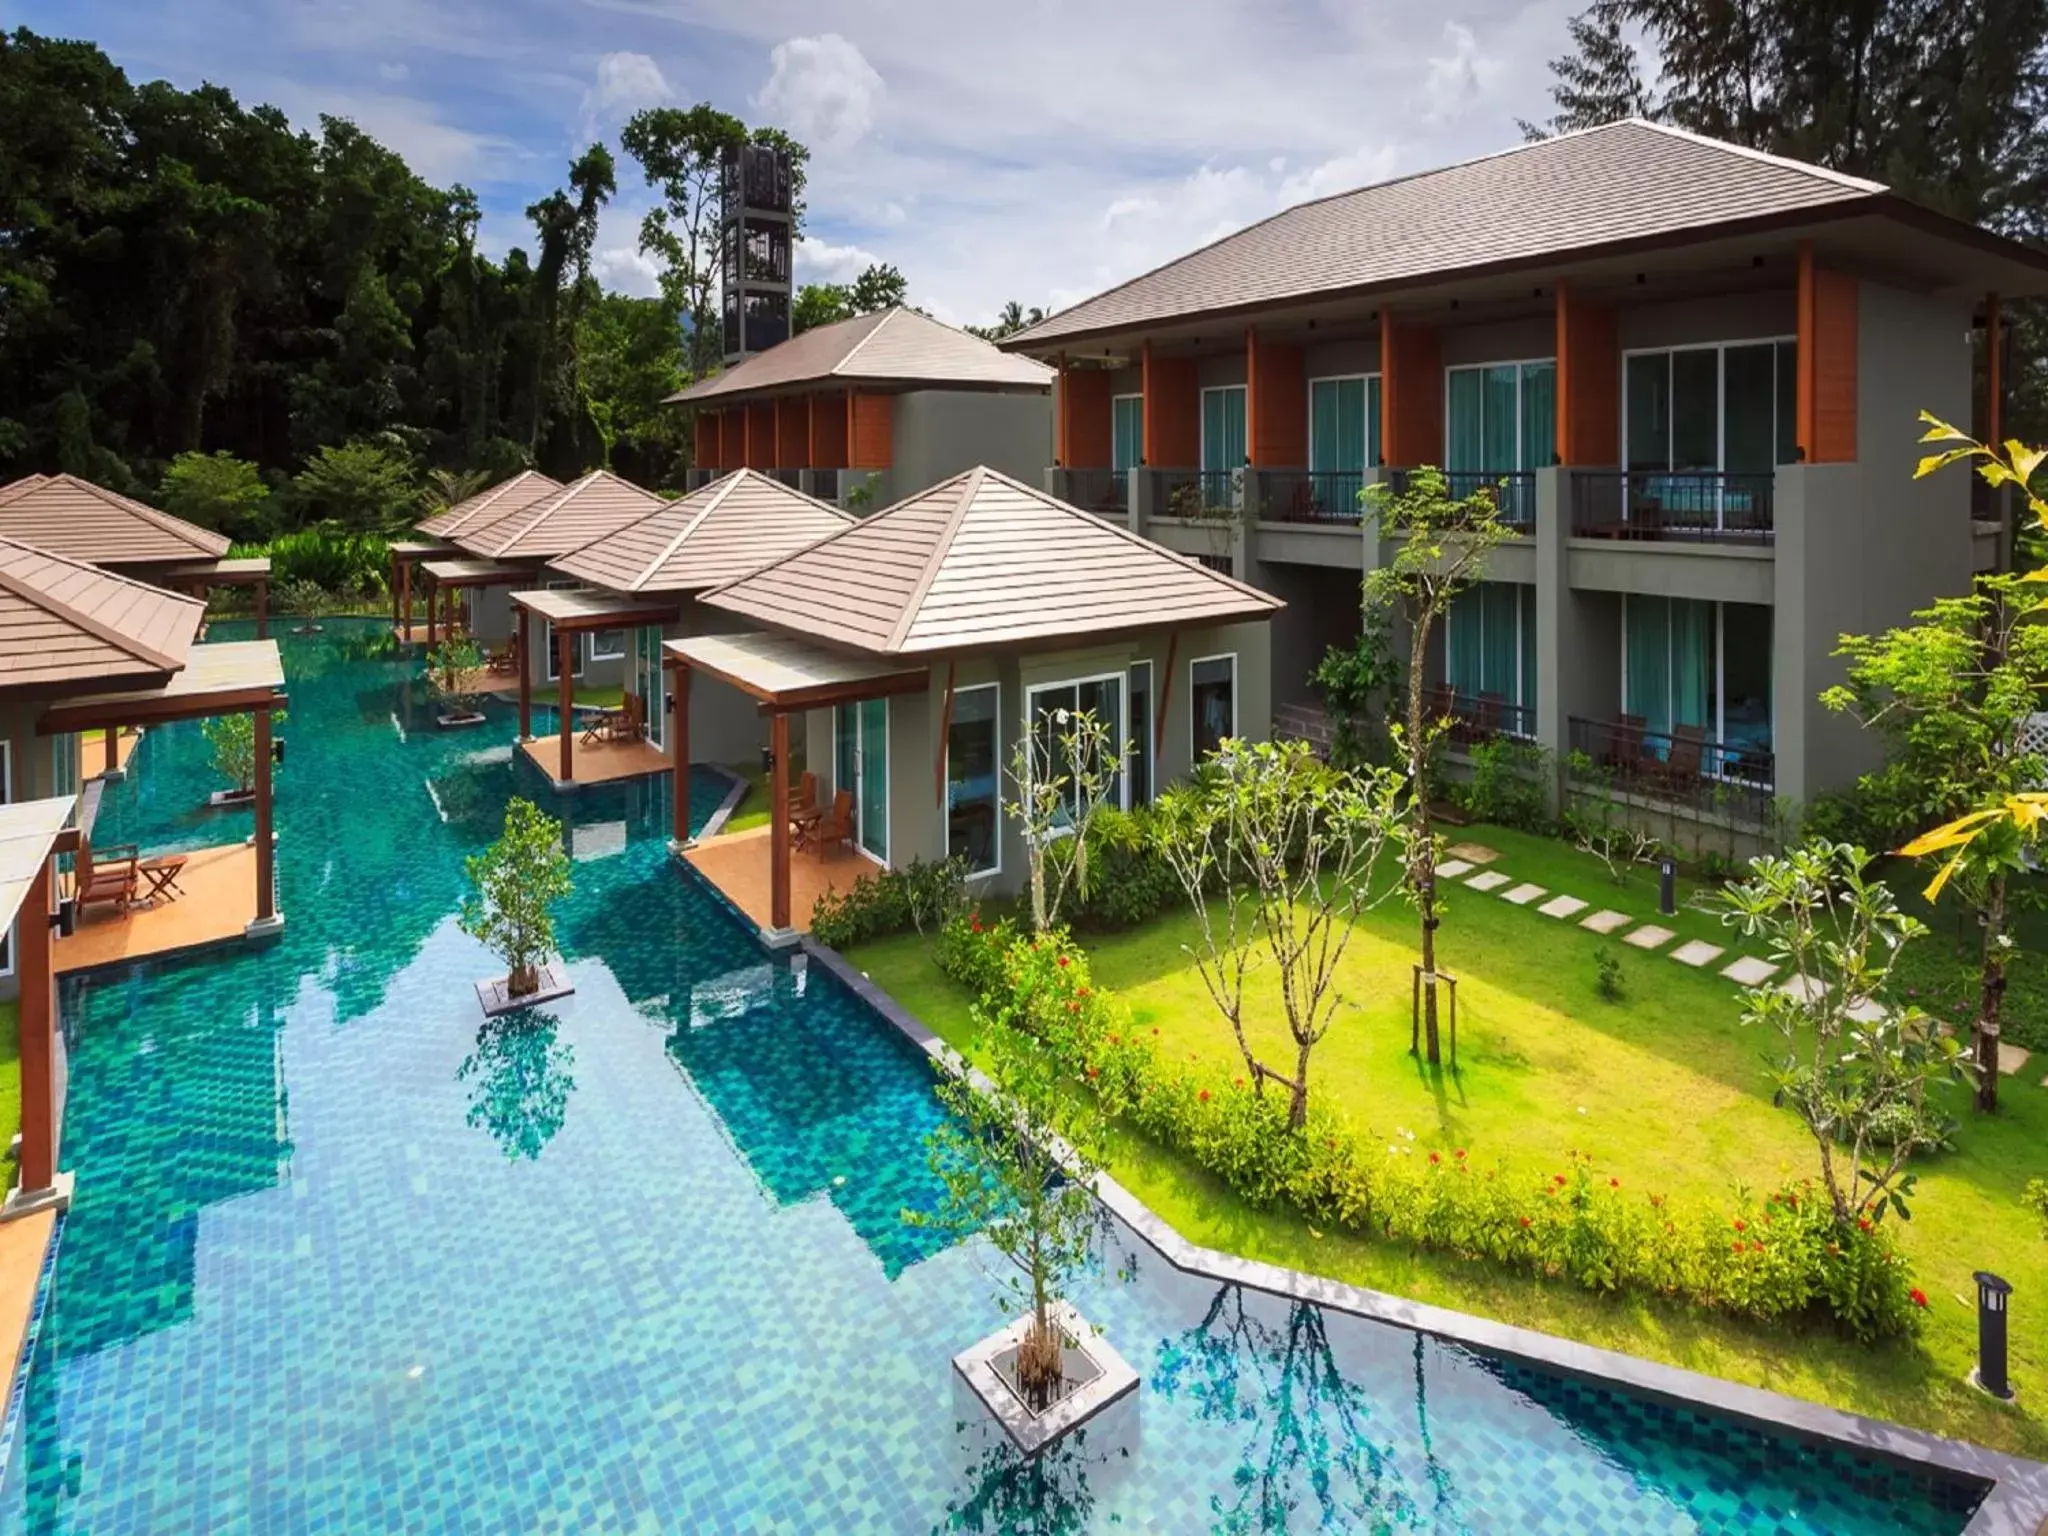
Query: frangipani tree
<point x="1065" y="769"/>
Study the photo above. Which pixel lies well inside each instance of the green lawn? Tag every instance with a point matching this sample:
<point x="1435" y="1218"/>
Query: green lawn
<point x="1665" y="1089"/>
<point x="10" y="1071"/>
<point x="752" y="811"/>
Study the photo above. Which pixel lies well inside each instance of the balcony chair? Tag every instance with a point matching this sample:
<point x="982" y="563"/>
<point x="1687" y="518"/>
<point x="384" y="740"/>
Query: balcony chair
<point x="835" y="827"/>
<point x="1682" y="769"/>
<point x="1624" y="751"/>
<point x="110" y="874"/>
<point x="1488" y="717"/>
<point x="628" y="722"/>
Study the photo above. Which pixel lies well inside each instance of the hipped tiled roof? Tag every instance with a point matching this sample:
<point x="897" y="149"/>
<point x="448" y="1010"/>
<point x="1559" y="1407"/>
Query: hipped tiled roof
<point x="502" y="500"/>
<point x="69" y="516"/>
<point x="897" y="347"/>
<point x="579" y="512"/>
<point x="733" y="525"/>
<point x="63" y="620"/>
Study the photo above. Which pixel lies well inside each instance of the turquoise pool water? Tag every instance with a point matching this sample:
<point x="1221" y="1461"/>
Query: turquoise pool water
<point x="346" y="1258"/>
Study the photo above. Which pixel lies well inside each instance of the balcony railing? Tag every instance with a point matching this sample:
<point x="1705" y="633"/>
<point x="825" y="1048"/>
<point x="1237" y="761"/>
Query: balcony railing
<point x="1480" y="717"/>
<point x="1716" y="507"/>
<point x="1312" y="495"/>
<point x="1105" y="492"/>
<point x="792" y="478"/>
<point x="1684" y="768"/>
<point x="825" y="484"/>
<point x="1512" y="490"/>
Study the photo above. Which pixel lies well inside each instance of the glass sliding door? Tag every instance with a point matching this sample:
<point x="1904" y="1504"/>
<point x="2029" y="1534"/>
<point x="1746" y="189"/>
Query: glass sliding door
<point x="1138" y="764"/>
<point x="1711" y="411"/>
<point x="1700" y="666"/>
<point x="649" y="682"/>
<point x="1490" y="650"/>
<point x="873" y="798"/>
<point x="1223" y="442"/>
<point x="1500" y="421"/>
<point x="974" y="780"/>
<point x="1050" y="710"/>
<point x="1126" y="431"/>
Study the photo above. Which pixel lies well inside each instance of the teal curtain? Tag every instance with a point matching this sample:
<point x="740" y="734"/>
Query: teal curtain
<point x="1127" y="431"/>
<point x="1539" y="416"/>
<point x="1465" y="431"/>
<point x="1466" y="642"/>
<point x="1646" y="691"/>
<point x="1325" y="432"/>
<point x="1223" y="440"/>
<point x="1500" y="427"/>
<point x="1372" y="420"/>
<point x="1350" y="425"/>
<point x="1527" y="595"/>
<point x="1692" y="663"/>
<point x="874" y="777"/>
<point x="1501" y="671"/>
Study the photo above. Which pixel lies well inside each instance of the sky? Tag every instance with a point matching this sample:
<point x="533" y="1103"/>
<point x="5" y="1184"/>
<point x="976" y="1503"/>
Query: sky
<point x="1037" y="150"/>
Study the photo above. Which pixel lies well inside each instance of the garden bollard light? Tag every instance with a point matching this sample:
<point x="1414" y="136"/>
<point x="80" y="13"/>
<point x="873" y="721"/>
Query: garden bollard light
<point x="1667" y="887"/>
<point x="1991" y="1301"/>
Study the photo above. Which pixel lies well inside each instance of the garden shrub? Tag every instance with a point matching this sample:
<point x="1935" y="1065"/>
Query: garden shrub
<point x="923" y="896"/>
<point x="1128" y="880"/>
<point x="1508" y="785"/>
<point x="344" y="564"/>
<point x="1780" y="1257"/>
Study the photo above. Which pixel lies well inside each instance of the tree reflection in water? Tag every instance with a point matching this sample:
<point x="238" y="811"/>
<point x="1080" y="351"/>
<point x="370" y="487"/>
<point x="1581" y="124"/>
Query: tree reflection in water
<point x="1307" y="1436"/>
<point x="520" y="1078"/>
<point x="1047" y="1495"/>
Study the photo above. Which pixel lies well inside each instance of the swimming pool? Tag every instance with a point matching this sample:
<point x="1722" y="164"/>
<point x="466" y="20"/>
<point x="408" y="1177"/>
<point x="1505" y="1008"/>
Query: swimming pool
<point x="347" y="1258"/>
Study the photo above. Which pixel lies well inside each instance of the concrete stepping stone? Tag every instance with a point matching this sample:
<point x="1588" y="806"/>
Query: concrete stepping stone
<point x="1696" y="953"/>
<point x="1798" y="986"/>
<point x="1450" y="869"/>
<point x="1473" y="853"/>
<point x="1492" y="880"/>
<point x="1562" y="906"/>
<point x="1649" y="936"/>
<point x="1607" y="922"/>
<point x="1749" y="971"/>
<point x="2011" y="1058"/>
<point x="1523" y="894"/>
<point x="1867" y="1011"/>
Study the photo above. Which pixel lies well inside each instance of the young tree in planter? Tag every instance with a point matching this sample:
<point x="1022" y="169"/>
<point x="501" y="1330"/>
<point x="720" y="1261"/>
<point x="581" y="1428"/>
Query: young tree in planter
<point x="1000" y="1161"/>
<point x="233" y="739"/>
<point x="1441" y="548"/>
<point x="1856" y="1067"/>
<point x="1954" y="696"/>
<point x="450" y="667"/>
<point x="1064" y="771"/>
<point x="305" y="600"/>
<point x="1278" y="854"/>
<point x="515" y="882"/>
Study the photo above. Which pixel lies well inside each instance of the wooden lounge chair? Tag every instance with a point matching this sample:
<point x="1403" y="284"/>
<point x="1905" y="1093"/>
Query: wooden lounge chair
<point x="629" y="722"/>
<point x="109" y="874"/>
<point x="835" y="827"/>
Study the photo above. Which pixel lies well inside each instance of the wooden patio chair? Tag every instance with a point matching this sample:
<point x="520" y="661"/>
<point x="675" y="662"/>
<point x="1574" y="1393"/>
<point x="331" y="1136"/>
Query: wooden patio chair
<point x="1687" y="761"/>
<point x="835" y="827"/>
<point x="1624" y="751"/>
<point x="506" y="657"/>
<point x="110" y="874"/>
<point x="630" y="723"/>
<point x="1488" y="717"/>
<point x="801" y="810"/>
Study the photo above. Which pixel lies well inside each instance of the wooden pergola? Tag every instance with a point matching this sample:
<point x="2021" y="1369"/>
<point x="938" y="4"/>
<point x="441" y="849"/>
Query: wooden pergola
<point x="229" y="678"/>
<point x="784" y="674"/>
<point x="466" y="573"/>
<point x="31" y="832"/>
<point x="241" y="571"/>
<point x="574" y="612"/>
<point x="405" y="555"/>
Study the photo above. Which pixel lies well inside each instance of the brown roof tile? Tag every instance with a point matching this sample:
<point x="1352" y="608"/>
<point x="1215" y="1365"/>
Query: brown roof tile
<point x="1626" y="181"/>
<point x="585" y="509"/>
<point x="70" y="516"/>
<point x="733" y="525"/>
<point x="63" y="620"/>
<point x="893" y="346"/>
<point x="982" y="560"/>
<point x="499" y="501"/>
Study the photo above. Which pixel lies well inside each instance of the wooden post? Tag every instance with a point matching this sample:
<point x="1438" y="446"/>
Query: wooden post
<point x="38" y="1022"/>
<point x="679" y="744"/>
<point x="405" y="589"/>
<point x="263" y="608"/>
<point x="1994" y="373"/>
<point x="525" y="676"/>
<point x="778" y="825"/>
<point x="266" y="889"/>
<point x="565" y="645"/>
<point x="397" y="580"/>
<point x="430" y="613"/>
<point x="1165" y="698"/>
<point x="945" y="730"/>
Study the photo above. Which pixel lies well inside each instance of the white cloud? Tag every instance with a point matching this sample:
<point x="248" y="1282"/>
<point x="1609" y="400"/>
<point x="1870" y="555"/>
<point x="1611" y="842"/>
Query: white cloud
<point x="823" y="90"/>
<point x="393" y="72"/>
<point x="818" y="261"/>
<point x="1457" y="78"/>
<point x="625" y="83"/>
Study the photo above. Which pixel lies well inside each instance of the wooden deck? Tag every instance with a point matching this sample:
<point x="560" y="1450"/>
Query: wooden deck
<point x="219" y="903"/>
<point x="23" y="1244"/>
<point x="92" y="753"/>
<point x="737" y="864"/>
<point x="599" y="762"/>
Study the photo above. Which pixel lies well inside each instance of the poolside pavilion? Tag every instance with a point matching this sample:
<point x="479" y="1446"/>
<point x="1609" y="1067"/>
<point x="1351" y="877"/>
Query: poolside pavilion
<point x="920" y="644"/>
<point x="489" y="505"/>
<point x="568" y="615"/>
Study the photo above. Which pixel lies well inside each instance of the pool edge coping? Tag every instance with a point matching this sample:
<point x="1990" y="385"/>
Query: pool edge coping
<point x="2016" y="1503"/>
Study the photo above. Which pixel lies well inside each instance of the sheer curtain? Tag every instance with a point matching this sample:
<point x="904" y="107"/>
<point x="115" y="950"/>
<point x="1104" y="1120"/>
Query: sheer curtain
<point x="1501" y="671"/>
<point x="1501" y="419"/>
<point x="1465" y="446"/>
<point x="1692" y="663"/>
<point x="1539" y="416"/>
<point x="1646" y="691"/>
<point x="1465" y="641"/>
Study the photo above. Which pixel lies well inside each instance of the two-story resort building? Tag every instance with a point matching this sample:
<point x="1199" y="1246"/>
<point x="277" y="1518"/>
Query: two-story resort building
<point x="1692" y="373"/>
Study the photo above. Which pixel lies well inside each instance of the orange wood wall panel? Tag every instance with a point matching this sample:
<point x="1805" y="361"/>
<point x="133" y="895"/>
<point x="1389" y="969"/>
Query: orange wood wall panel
<point x="1411" y="393"/>
<point x="1173" y="413"/>
<point x="707" y="439"/>
<point x="1834" y="368"/>
<point x="828" y="431"/>
<point x="722" y="451"/>
<point x="1084" y="418"/>
<point x="873" y="428"/>
<point x="761" y="435"/>
<point x="1588" y="383"/>
<point x="1277" y="405"/>
<point x="792" y="433"/>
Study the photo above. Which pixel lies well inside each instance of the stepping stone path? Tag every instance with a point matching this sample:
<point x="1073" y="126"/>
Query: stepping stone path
<point x="1492" y="880"/>
<point x="1869" y="1011"/>
<point x="1698" y="952"/>
<point x="1522" y="895"/>
<point x="1607" y="922"/>
<point x="1450" y="869"/>
<point x="1749" y="971"/>
<point x="2010" y="1058"/>
<point x="1649" y="936"/>
<point x="1562" y="906"/>
<point x="1473" y="853"/>
<point x="1801" y="988"/>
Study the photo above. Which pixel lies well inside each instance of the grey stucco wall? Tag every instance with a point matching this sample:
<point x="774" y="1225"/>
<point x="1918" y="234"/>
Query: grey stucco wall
<point x="938" y="433"/>
<point x="1502" y="342"/>
<point x="726" y="725"/>
<point x="1696" y="322"/>
<point x="1322" y="610"/>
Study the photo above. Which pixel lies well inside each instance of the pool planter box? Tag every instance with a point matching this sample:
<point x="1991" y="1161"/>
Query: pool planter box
<point x="454" y="719"/>
<point x="1094" y="1376"/>
<point x="222" y="799"/>
<point x="496" y="1000"/>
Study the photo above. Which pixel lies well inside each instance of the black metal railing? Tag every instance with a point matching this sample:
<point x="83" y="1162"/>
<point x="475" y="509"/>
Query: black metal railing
<point x="1683" y="768"/>
<point x="1219" y="490"/>
<point x="825" y="484"/>
<point x="1718" y="507"/>
<point x="1478" y="717"/>
<point x="1102" y="491"/>
<point x="1512" y="490"/>
<point x="1312" y="495"/>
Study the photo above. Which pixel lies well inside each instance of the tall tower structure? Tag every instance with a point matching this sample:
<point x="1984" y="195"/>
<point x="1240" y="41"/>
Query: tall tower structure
<point x="754" y="248"/>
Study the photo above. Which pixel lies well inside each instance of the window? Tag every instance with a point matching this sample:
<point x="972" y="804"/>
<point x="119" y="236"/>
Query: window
<point x="974" y="766"/>
<point x="1212" y="698"/>
<point x="860" y="767"/>
<point x="1699" y="664"/>
<point x="1139" y="761"/>
<point x="607" y="645"/>
<point x="1344" y="423"/>
<point x="1728" y="407"/>
<point x="554" y="654"/>
<point x="1500" y="418"/>
<point x="1223" y="565"/>
<point x="1127" y="431"/>
<point x="64" y="765"/>
<point x="1490" y="647"/>
<point x="1101" y="697"/>
<point x="1223" y="439"/>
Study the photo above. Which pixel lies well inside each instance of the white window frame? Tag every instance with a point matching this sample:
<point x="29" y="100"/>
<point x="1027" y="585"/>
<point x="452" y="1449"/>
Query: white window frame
<point x="1518" y="364"/>
<point x="1224" y="389"/>
<point x="1123" y="725"/>
<point x="995" y="720"/>
<point x="1113" y="399"/>
<point x="594" y="654"/>
<point x="1194" y="720"/>
<point x="1365" y="379"/>
<point x="1720" y="722"/>
<point x="860" y="773"/>
<point x="1720" y="349"/>
<point x="1525" y="592"/>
